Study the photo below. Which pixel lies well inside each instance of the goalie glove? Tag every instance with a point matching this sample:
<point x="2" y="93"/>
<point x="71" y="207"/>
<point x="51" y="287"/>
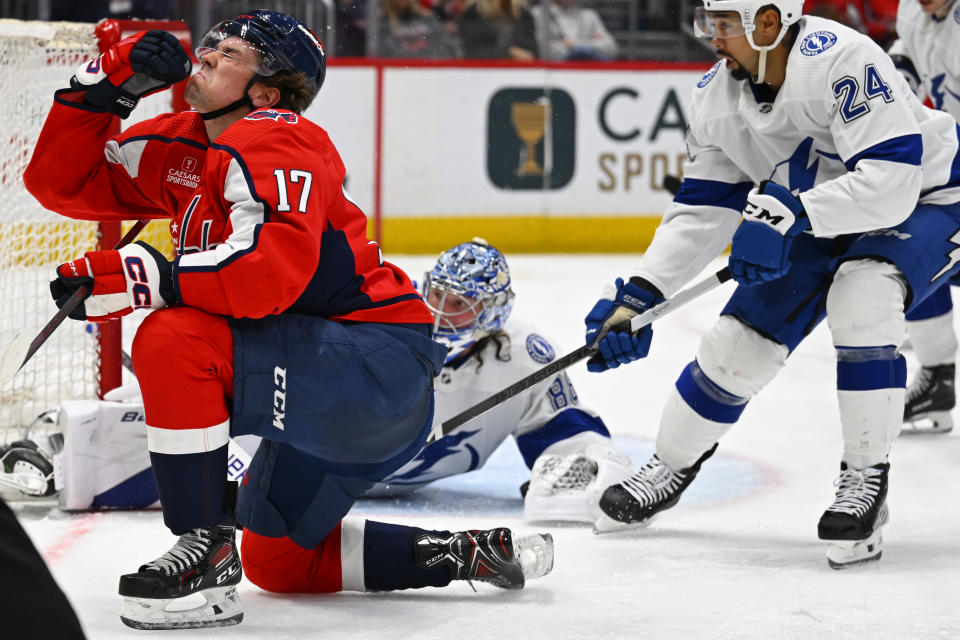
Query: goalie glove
<point x="615" y="343"/>
<point x="772" y="218"/>
<point x="134" y="277"/>
<point x="144" y="63"/>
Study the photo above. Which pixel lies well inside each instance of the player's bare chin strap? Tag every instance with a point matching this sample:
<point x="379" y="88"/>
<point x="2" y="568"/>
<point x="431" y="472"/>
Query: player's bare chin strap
<point x="236" y="104"/>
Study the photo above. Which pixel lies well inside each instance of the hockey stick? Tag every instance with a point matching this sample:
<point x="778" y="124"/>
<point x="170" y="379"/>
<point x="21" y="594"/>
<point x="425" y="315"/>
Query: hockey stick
<point x="672" y="184"/>
<point x="22" y="348"/>
<point x="636" y="323"/>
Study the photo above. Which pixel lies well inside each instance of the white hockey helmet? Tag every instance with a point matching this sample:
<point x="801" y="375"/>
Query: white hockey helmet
<point x="474" y="277"/>
<point x="706" y="26"/>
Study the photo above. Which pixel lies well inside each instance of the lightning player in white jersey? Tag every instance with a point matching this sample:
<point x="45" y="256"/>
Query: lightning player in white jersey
<point x="928" y="55"/>
<point x="852" y="218"/>
<point x="566" y="445"/>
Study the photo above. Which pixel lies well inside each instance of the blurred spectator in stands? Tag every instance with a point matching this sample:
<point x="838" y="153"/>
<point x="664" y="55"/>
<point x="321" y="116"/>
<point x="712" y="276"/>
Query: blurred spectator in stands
<point x="880" y="19"/>
<point x="660" y="15"/>
<point x="566" y="31"/>
<point x="407" y="30"/>
<point x="447" y="10"/>
<point x="351" y="27"/>
<point x="876" y="18"/>
<point x="94" y="10"/>
<point x="498" y="29"/>
<point x="833" y="10"/>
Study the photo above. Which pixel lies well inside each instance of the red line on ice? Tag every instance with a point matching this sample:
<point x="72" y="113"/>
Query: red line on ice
<point x="81" y="527"/>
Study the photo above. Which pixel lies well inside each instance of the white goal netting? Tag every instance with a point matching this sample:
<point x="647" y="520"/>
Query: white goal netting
<point x="36" y="59"/>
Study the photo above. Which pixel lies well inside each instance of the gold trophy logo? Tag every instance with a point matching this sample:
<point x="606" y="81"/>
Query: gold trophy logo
<point x="530" y="122"/>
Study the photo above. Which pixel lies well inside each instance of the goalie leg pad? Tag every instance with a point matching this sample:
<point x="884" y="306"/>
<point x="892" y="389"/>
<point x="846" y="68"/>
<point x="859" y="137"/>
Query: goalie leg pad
<point x="569" y="477"/>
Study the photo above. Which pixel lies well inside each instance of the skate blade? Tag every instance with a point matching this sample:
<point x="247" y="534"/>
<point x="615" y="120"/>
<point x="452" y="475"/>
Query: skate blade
<point x="221" y="608"/>
<point x="535" y="553"/>
<point x="606" y="524"/>
<point x="844" y="554"/>
<point x="928" y="423"/>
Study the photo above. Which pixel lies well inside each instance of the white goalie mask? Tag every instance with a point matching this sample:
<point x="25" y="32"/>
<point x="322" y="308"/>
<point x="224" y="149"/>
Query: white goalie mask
<point x="468" y="292"/>
<point x="710" y="21"/>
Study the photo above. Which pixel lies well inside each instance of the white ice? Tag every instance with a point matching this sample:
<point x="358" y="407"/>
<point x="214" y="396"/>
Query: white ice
<point x="737" y="558"/>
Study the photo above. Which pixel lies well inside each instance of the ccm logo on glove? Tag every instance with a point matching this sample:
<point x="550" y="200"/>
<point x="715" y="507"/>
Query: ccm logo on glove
<point x="135" y="277"/>
<point x="762" y="215"/>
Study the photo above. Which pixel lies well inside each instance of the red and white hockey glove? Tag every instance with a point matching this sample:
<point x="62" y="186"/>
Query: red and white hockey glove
<point x="144" y="63"/>
<point x="134" y="277"/>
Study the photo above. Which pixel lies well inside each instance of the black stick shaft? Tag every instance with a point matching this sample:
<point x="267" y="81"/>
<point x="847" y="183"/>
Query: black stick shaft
<point x="74" y="300"/>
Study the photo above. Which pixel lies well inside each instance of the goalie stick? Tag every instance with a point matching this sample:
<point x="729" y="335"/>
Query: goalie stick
<point x="21" y="348"/>
<point x="636" y="323"/>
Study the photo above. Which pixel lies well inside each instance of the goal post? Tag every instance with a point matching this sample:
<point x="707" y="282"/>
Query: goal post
<point x="81" y="360"/>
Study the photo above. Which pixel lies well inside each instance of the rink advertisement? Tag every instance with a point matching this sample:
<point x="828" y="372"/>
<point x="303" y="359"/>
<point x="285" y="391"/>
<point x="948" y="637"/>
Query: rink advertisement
<point x="563" y="158"/>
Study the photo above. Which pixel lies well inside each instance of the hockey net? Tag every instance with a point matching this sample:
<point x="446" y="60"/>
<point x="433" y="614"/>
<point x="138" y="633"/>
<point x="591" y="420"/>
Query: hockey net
<point x="80" y="360"/>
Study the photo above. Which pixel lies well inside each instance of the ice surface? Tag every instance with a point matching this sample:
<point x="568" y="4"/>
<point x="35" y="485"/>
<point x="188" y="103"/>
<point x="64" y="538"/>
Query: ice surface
<point x="737" y="558"/>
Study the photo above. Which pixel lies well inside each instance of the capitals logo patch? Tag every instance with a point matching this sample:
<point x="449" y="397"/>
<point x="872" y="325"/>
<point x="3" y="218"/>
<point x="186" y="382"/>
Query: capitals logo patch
<point x="270" y="114"/>
<point x="539" y="349"/>
<point x="817" y="42"/>
<point x="708" y="76"/>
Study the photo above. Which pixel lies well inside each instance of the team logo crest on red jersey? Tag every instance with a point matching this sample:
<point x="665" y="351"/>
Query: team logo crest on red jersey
<point x="270" y="114"/>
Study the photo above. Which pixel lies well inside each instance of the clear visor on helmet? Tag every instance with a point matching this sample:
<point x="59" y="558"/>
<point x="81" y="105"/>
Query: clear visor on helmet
<point x="453" y="312"/>
<point x="717" y="24"/>
<point x="229" y="40"/>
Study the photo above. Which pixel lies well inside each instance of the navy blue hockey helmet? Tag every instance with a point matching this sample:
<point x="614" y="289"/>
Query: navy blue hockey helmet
<point x="284" y="43"/>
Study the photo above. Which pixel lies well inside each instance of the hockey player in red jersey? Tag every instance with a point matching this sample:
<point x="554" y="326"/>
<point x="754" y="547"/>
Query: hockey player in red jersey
<point x="277" y="318"/>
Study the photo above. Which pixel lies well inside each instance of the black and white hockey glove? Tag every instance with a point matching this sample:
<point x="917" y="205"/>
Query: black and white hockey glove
<point x="144" y="63"/>
<point x="134" y="277"/>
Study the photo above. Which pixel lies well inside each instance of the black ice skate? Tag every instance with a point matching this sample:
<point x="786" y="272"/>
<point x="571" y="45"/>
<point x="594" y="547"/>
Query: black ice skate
<point x="203" y="561"/>
<point x="489" y="556"/>
<point x="853" y="525"/>
<point x="633" y="503"/>
<point x="930" y="399"/>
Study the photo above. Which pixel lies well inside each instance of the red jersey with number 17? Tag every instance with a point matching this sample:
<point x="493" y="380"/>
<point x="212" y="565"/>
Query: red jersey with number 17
<point x="259" y="218"/>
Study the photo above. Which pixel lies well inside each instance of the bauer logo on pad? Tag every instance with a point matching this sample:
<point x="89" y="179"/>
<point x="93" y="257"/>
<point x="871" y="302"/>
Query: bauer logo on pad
<point x="530" y="138"/>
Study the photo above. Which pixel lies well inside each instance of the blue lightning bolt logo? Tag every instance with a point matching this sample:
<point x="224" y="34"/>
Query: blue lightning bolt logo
<point x="434" y="453"/>
<point x="801" y="172"/>
<point x="952" y="258"/>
